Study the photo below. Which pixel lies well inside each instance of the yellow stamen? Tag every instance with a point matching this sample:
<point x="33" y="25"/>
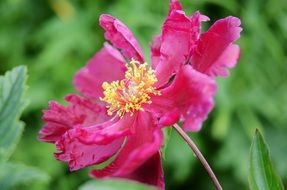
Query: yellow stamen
<point x="128" y="95"/>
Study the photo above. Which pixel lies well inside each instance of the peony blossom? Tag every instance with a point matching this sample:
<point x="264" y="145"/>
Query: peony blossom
<point x="125" y="103"/>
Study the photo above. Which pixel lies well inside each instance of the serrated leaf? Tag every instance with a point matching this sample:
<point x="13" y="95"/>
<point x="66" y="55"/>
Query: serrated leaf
<point x="12" y="175"/>
<point x="12" y="89"/>
<point x="262" y="175"/>
<point x="114" y="185"/>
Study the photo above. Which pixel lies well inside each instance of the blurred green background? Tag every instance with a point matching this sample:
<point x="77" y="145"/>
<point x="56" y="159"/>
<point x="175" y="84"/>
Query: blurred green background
<point x="54" y="38"/>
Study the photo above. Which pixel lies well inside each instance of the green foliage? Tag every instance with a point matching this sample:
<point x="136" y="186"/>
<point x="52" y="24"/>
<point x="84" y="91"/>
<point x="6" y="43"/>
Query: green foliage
<point x="179" y="158"/>
<point x="167" y="134"/>
<point x="234" y="153"/>
<point x="54" y="40"/>
<point x="12" y="174"/>
<point x="12" y="103"/>
<point x="262" y="174"/>
<point x="12" y="89"/>
<point x="114" y="185"/>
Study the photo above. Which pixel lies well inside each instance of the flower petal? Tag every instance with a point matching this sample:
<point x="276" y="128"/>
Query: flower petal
<point x="90" y="78"/>
<point x="150" y="172"/>
<point x="174" y="5"/>
<point x="106" y="132"/>
<point x="190" y="96"/>
<point x="157" y="40"/>
<point x="80" y="155"/>
<point x="59" y="119"/>
<point x="121" y="37"/>
<point x="178" y="41"/>
<point x="215" y="52"/>
<point x="155" y="51"/>
<point x="81" y="147"/>
<point x="169" y="118"/>
<point x="139" y="147"/>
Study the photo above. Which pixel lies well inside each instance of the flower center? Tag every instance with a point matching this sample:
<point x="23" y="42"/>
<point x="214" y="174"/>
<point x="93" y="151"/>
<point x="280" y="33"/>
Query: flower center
<point x="128" y="95"/>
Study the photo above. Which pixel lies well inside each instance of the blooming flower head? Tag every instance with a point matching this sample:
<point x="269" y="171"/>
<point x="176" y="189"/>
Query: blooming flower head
<point x="125" y="102"/>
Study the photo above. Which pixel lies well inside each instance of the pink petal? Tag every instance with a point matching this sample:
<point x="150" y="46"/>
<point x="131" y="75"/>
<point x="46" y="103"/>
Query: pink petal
<point x="155" y="51"/>
<point x="174" y="5"/>
<point x="190" y="96"/>
<point x="150" y="172"/>
<point x="80" y="155"/>
<point x="106" y="65"/>
<point x="178" y="41"/>
<point x="139" y="147"/>
<point x="216" y="53"/>
<point x="121" y="37"/>
<point x="169" y="118"/>
<point x="106" y="132"/>
<point x="81" y="147"/>
<point x="59" y="119"/>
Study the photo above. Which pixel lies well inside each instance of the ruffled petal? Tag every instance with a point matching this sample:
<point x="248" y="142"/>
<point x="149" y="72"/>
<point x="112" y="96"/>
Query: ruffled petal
<point x="190" y="97"/>
<point x="157" y="40"/>
<point x="81" y="147"/>
<point x="138" y="148"/>
<point x="80" y="112"/>
<point x="80" y="155"/>
<point x="90" y="78"/>
<point x="216" y="53"/>
<point x="121" y="37"/>
<point x="178" y="41"/>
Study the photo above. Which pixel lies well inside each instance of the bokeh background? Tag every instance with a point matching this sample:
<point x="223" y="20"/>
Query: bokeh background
<point x="54" y="38"/>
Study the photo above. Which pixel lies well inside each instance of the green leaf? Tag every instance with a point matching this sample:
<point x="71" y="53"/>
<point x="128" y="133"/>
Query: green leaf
<point x="12" y="89"/>
<point x="15" y="174"/>
<point x="114" y="185"/>
<point x="262" y="174"/>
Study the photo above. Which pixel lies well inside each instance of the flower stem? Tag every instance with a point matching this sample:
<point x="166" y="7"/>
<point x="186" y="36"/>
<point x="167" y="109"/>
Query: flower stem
<point x="199" y="156"/>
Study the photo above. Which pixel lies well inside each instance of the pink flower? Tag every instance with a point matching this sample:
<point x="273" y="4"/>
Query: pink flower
<point x="125" y="105"/>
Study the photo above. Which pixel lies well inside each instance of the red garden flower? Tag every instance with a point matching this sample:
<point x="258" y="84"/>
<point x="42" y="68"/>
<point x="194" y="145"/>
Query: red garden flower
<point x="125" y="104"/>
